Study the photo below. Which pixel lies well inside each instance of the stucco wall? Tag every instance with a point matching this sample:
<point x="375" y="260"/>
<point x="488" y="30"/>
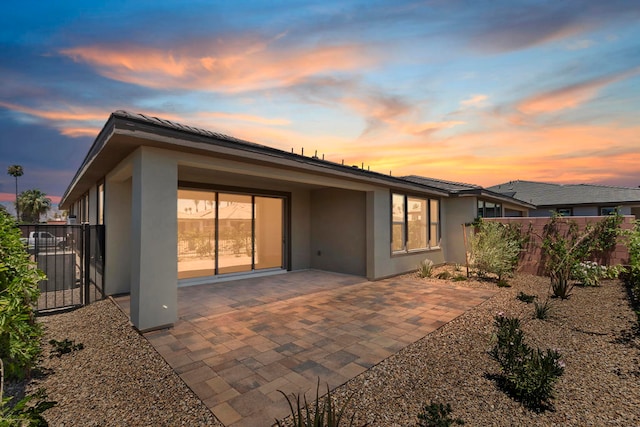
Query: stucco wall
<point x="455" y="212"/>
<point x="531" y="260"/>
<point x="338" y="232"/>
<point x="300" y="230"/>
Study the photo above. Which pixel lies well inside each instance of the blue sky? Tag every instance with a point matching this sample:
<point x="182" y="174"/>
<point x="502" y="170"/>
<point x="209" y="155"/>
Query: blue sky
<point x="479" y="92"/>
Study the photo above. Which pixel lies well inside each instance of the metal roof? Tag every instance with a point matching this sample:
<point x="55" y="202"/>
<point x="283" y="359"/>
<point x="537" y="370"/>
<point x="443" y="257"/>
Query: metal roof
<point x="544" y="194"/>
<point x="104" y="153"/>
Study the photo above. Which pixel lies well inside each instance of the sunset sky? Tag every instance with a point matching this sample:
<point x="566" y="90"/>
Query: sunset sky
<point x="471" y="91"/>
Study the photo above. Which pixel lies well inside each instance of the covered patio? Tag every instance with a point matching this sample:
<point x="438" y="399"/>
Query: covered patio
<point x="237" y="343"/>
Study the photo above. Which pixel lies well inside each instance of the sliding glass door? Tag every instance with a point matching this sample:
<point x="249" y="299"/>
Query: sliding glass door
<point x="221" y="233"/>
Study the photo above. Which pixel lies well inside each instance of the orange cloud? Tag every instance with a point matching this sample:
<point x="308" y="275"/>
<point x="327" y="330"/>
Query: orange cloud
<point x="246" y="118"/>
<point x="570" y="96"/>
<point x="248" y="66"/>
<point x="474" y="101"/>
<point x="71" y="113"/>
<point x="76" y="132"/>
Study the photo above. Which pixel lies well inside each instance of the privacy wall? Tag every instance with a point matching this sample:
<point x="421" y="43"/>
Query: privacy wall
<point x="531" y="260"/>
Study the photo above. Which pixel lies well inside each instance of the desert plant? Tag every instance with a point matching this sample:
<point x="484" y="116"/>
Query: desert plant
<point x="494" y="249"/>
<point x="589" y="273"/>
<point x="542" y="310"/>
<point x="526" y="297"/>
<point x="19" y="332"/>
<point x="563" y="247"/>
<point x="324" y="414"/>
<point x="459" y="278"/>
<point x="437" y="415"/>
<point x="63" y="347"/>
<point x="528" y="374"/>
<point x="425" y="269"/>
<point x="444" y="275"/>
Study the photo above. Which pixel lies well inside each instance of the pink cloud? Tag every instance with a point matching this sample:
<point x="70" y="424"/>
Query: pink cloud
<point x="231" y="66"/>
<point x="570" y="96"/>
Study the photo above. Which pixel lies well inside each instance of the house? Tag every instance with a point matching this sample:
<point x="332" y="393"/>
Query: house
<point x="184" y="206"/>
<point x="573" y="199"/>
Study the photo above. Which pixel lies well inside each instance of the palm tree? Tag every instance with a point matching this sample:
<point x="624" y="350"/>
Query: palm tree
<point x="34" y="204"/>
<point x="16" y="171"/>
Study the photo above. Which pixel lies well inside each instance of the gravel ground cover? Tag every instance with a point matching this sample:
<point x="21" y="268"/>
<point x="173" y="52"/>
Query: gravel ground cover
<point x="119" y="379"/>
<point x="592" y="330"/>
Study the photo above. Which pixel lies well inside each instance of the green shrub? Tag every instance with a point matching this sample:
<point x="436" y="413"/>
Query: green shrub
<point x="444" y="275"/>
<point x="324" y="414"/>
<point x="26" y="412"/>
<point x="425" y="268"/>
<point x="63" y="347"/>
<point x="494" y="249"/>
<point x="566" y="251"/>
<point x="526" y="297"/>
<point x="632" y="274"/>
<point x="19" y="332"/>
<point x="437" y="415"/>
<point x="528" y="374"/>
<point x="542" y="310"/>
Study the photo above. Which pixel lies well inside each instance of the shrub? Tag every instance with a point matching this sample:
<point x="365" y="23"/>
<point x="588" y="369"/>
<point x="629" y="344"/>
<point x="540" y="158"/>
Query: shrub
<point x="19" y="332"/>
<point x="444" y="275"/>
<point x="542" y="310"/>
<point x="425" y="269"/>
<point x="63" y="347"/>
<point x="437" y="415"/>
<point x="565" y="247"/>
<point x="324" y="414"/>
<point x="526" y="297"/>
<point x="588" y="273"/>
<point x="528" y="374"/>
<point x="494" y="249"/>
<point x="632" y="274"/>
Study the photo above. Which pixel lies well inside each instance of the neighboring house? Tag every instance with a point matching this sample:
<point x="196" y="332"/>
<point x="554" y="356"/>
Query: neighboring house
<point x="184" y="206"/>
<point x="573" y="199"/>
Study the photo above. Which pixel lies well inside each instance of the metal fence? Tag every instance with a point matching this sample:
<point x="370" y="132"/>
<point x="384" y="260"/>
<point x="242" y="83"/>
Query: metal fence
<point x="72" y="258"/>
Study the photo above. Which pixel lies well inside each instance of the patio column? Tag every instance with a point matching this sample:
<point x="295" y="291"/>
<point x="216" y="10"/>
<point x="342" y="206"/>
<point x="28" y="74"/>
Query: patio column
<point x="154" y="271"/>
<point x="378" y="224"/>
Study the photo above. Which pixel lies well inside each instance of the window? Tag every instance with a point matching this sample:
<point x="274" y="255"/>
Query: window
<point x="415" y="223"/>
<point x="100" y="204"/>
<point x="608" y="210"/>
<point x="488" y="209"/>
<point x="228" y="232"/>
<point x="564" y="211"/>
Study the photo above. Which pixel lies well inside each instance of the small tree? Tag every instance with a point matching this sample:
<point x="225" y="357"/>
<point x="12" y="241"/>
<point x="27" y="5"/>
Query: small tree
<point x="495" y="249"/>
<point x="34" y="204"/>
<point x="563" y="247"/>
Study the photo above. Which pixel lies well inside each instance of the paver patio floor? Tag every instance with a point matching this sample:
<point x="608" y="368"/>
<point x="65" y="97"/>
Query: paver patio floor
<point x="237" y="343"/>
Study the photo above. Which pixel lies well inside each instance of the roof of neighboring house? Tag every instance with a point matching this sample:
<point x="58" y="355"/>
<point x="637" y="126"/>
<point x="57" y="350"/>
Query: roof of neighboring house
<point x="449" y="186"/>
<point x="543" y="194"/>
<point x="464" y="189"/>
<point x="125" y="131"/>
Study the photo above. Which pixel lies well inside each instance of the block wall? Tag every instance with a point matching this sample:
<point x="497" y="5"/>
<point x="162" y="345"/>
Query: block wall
<point x="531" y="260"/>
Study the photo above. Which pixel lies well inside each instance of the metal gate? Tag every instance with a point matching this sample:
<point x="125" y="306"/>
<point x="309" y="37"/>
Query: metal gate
<point x="72" y="257"/>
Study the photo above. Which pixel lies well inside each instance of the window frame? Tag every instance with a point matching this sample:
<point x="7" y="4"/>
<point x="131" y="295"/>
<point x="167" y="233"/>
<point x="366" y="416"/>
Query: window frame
<point x="427" y="223"/>
<point x="483" y="209"/>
